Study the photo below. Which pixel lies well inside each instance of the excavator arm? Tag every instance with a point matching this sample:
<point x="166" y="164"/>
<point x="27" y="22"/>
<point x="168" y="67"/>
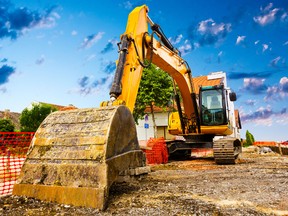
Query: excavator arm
<point x="136" y="46"/>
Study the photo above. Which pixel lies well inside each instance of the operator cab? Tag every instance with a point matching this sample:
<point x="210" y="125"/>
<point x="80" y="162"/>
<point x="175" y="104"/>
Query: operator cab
<point x="213" y="105"/>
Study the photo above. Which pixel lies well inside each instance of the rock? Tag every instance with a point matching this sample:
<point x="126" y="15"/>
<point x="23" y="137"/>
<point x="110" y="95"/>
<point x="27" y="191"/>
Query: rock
<point x="264" y="150"/>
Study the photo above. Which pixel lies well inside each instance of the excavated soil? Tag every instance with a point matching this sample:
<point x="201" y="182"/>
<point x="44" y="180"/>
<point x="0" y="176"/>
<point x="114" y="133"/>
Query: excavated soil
<point x="256" y="185"/>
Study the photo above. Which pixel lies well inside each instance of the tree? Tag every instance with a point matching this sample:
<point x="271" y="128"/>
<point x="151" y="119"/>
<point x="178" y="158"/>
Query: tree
<point x="6" y="125"/>
<point x="249" y="139"/>
<point x="155" y="89"/>
<point x="30" y="119"/>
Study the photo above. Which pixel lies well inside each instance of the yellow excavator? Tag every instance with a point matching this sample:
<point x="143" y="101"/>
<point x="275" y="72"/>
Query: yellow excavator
<point x="76" y="155"/>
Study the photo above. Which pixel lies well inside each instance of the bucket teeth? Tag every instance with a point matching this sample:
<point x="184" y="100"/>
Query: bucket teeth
<point x="76" y="155"/>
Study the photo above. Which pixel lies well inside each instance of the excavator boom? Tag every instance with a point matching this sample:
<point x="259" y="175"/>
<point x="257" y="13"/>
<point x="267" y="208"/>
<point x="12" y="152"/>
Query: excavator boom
<point x="136" y="46"/>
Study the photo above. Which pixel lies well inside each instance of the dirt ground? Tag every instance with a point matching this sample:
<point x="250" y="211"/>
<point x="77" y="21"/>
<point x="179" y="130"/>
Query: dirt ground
<point x="256" y="185"/>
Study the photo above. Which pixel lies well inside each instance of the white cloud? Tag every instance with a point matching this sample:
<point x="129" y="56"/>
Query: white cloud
<point x="74" y="32"/>
<point x="250" y="102"/>
<point x="275" y="61"/>
<point x="265" y="47"/>
<point x="254" y="85"/>
<point x="269" y="15"/>
<point x="211" y="27"/>
<point x="186" y="48"/>
<point x="176" y="39"/>
<point x="262" y="116"/>
<point x="196" y="45"/>
<point x="48" y="21"/>
<point x="219" y="55"/>
<point x="92" y="86"/>
<point x="91" y="39"/>
<point x="282" y="116"/>
<point x="267" y="18"/>
<point x="90" y="57"/>
<point x="127" y="5"/>
<point x="278" y="92"/>
<point x="284" y="87"/>
<point x="240" y="39"/>
<point x="284" y="16"/>
<point x="253" y="81"/>
<point x="268" y="7"/>
<point x="265" y="116"/>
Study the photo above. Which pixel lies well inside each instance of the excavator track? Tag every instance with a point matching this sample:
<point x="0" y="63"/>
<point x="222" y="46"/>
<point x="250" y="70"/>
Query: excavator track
<point x="226" y="150"/>
<point x="76" y="155"/>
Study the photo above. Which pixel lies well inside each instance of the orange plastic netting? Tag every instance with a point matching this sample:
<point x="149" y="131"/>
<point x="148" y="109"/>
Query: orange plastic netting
<point x="156" y="152"/>
<point x="13" y="150"/>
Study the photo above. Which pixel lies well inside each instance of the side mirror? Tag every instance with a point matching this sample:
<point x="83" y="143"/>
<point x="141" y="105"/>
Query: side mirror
<point x="232" y="96"/>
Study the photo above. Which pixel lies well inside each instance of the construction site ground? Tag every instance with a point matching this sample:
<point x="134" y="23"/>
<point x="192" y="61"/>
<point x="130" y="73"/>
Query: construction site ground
<point x="256" y="185"/>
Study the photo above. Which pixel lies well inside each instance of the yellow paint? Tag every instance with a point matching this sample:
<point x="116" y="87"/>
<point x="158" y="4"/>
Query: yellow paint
<point x="164" y="58"/>
<point x="217" y="130"/>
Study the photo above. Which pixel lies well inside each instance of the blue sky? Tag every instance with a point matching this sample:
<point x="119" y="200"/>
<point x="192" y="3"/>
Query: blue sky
<point x="64" y="52"/>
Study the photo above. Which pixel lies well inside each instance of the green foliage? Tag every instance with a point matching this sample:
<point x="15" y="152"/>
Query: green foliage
<point x="249" y="139"/>
<point x="155" y="89"/>
<point x="31" y="119"/>
<point x="6" y="125"/>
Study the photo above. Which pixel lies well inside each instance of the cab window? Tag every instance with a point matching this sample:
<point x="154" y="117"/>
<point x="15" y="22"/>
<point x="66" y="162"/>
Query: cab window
<point x="212" y="108"/>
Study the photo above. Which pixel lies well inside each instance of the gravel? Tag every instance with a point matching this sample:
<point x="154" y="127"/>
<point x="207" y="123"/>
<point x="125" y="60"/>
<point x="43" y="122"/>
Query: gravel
<point x="256" y="185"/>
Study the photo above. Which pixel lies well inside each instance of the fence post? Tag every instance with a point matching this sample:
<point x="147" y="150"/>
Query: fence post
<point x="280" y="148"/>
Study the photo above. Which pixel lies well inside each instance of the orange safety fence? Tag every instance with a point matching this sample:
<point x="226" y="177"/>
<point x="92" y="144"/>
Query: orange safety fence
<point x="156" y="152"/>
<point x="270" y="143"/>
<point x="13" y="150"/>
<point x="265" y="143"/>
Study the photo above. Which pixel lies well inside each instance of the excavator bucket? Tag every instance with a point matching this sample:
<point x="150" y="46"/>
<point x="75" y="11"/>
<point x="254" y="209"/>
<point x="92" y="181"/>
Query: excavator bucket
<point x="76" y="155"/>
